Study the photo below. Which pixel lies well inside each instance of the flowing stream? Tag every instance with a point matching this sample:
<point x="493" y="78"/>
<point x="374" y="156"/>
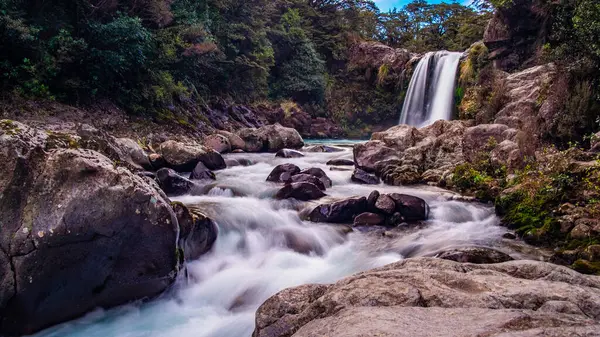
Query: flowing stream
<point x="430" y="94"/>
<point x="264" y="247"/>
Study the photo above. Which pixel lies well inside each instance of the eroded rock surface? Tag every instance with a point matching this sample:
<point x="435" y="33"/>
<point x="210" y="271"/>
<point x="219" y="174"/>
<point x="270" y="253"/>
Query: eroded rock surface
<point x="432" y="297"/>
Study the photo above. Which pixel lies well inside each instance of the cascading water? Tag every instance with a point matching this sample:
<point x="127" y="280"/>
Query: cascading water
<point x="431" y="90"/>
<point x="263" y="247"/>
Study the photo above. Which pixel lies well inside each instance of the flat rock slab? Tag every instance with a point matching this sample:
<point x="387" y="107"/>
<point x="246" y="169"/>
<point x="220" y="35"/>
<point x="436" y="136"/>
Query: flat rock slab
<point x="433" y="297"/>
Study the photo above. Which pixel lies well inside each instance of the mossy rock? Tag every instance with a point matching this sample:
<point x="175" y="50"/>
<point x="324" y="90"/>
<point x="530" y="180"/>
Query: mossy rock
<point x="586" y="267"/>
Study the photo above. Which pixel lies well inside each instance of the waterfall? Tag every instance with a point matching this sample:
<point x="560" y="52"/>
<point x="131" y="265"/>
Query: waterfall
<point x="430" y="93"/>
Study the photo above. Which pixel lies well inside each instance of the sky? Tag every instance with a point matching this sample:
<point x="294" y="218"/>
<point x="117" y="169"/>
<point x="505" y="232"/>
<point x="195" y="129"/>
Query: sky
<point x="385" y="5"/>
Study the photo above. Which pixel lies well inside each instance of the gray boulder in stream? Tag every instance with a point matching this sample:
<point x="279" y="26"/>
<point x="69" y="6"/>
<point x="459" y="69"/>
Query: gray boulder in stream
<point x="426" y="297"/>
<point x="76" y="233"/>
<point x="301" y="191"/>
<point x="282" y="173"/>
<point x="270" y="138"/>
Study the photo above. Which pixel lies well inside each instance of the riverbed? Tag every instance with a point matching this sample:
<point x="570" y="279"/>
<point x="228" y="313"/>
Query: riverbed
<point x="264" y="246"/>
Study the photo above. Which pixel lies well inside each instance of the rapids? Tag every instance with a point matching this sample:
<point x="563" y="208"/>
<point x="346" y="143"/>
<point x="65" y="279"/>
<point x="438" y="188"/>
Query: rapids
<point x="262" y="248"/>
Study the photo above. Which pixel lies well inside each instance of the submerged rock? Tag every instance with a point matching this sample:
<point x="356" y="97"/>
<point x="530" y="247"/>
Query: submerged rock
<point x="287" y="153"/>
<point x="340" y="162"/>
<point x="238" y="162"/>
<point x="323" y="148"/>
<point x="477" y="255"/>
<point x="301" y="191"/>
<point x="434" y="297"/>
<point x="362" y="177"/>
<point x="282" y="173"/>
<point x="70" y="217"/>
<point x="343" y="211"/>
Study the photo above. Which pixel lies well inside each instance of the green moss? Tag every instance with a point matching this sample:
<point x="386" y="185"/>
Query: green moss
<point x="9" y="127"/>
<point x="62" y="140"/>
<point x="586" y="267"/>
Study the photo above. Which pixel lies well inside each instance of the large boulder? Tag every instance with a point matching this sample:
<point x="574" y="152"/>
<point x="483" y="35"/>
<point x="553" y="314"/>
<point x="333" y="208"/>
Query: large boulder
<point x="343" y="211"/>
<point x="270" y="138"/>
<point x="234" y="140"/>
<point x="301" y="191"/>
<point x="78" y="233"/>
<point x="218" y="143"/>
<point x="481" y="138"/>
<point x="283" y="173"/>
<point x="412" y="208"/>
<point x="433" y="297"/>
<point x="367" y="156"/>
<point x="184" y="158"/>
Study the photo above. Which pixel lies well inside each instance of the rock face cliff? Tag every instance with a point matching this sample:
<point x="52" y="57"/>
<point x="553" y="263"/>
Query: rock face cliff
<point x="432" y="297"/>
<point x="515" y="33"/>
<point x="78" y="231"/>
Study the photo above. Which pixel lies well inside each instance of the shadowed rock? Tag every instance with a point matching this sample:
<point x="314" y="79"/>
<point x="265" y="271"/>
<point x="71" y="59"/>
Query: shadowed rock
<point x="282" y="173"/>
<point x="361" y="177"/>
<point x="301" y="191"/>
<point x="343" y="211"/>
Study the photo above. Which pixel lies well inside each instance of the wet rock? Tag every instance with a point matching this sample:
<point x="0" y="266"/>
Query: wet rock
<point x="340" y="162"/>
<point x="301" y="243"/>
<point x="299" y="178"/>
<point x="147" y="174"/>
<point x="287" y="153"/>
<point x="184" y="158"/>
<point x="509" y="236"/>
<point x="385" y="204"/>
<point x="320" y="174"/>
<point x="372" y="199"/>
<point x="197" y="233"/>
<point x="395" y="220"/>
<point x="343" y="211"/>
<point x="361" y="177"/>
<point x="282" y="173"/>
<point x="172" y="183"/>
<point x="412" y="208"/>
<point x="477" y="255"/>
<point x="70" y="217"/>
<point x="300" y="191"/>
<point x="369" y="219"/>
<point x="323" y="148"/>
<point x="368" y="155"/>
<point x="434" y="297"/>
<point x="201" y="172"/>
<point x="400" y="175"/>
<point x="218" y="143"/>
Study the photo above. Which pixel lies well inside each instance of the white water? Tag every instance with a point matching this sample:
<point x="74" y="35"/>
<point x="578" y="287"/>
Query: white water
<point x="252" y="258"/>
<point x="430" y="92"/>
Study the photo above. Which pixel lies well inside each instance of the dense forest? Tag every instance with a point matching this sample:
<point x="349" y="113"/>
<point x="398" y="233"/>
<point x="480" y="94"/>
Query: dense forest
<point x="149" y="56"/>
<point x="157" y="57"/>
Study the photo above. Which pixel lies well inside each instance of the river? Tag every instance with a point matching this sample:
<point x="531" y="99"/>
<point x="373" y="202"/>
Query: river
<point x="263" y="247"/>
